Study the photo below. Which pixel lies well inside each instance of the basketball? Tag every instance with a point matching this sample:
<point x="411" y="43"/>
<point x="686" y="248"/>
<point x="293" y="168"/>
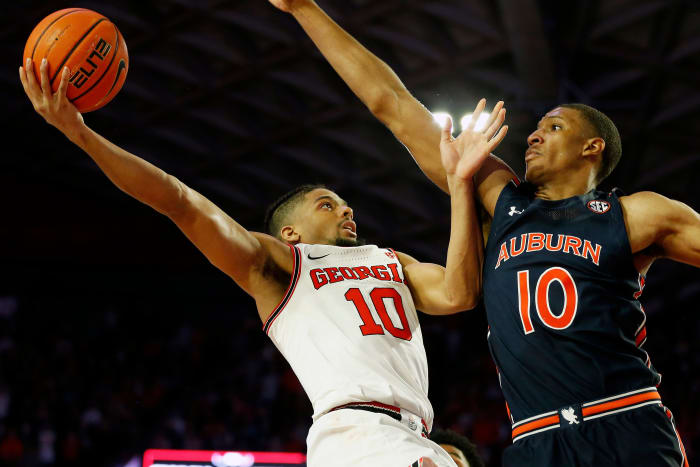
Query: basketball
<point x="90" y="45"/>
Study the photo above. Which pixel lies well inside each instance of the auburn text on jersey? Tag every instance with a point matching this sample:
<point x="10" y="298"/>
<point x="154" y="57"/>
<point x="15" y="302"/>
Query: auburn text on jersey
<point x="538" y="241"/>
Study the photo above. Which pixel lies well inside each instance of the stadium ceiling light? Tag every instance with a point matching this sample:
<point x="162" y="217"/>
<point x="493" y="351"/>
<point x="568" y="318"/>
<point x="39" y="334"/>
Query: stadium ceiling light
<point x="441" y="118"/>
<point x="480" y="123"/>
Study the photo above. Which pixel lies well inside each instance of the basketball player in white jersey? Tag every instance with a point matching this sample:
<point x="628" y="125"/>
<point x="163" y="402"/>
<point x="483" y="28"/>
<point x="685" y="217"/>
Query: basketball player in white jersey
<point x="343" y="316"/>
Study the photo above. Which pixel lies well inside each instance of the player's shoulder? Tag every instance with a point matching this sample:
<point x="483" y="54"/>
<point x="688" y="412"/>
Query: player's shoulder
<point x="405" y="259"/>
<point x="644" y="202"/>
<point x="647" y="211"/>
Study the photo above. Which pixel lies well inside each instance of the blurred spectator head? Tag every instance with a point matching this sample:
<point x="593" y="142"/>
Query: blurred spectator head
<point x="462" y="451"/>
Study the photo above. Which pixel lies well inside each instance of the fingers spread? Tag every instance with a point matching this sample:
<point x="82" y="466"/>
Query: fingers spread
<point x="498" y="120"/>
<point x="45" y="84"/>
<point x="22" y="78"/>
<point x="496" y="140"/>
<point x="477" y="113"/>
<point x="31" y="78"/>
<point x="494" y="114"/>
<point x="63" y="85"/>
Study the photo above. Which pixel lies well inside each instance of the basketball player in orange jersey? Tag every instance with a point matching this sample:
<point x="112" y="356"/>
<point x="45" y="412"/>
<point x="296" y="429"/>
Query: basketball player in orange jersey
<point x="343" y="316"/>
<point x="564" y="267"/>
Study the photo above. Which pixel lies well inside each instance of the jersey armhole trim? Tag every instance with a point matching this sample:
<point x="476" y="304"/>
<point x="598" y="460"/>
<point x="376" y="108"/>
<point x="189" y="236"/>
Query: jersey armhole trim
<point x="513" y="185"/>
<point x="296" y="272"/>
<point x="619" y="214"/>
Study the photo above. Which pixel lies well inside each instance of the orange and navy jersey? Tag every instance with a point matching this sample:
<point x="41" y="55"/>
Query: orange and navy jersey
<point x="561" y="295"/>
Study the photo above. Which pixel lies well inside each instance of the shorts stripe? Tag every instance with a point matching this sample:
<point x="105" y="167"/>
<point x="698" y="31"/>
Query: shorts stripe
<point x="649" y="395"/>
<point x="684" y="460"/>
<point x="386" y="409"/>
<point x="590" y="410"/>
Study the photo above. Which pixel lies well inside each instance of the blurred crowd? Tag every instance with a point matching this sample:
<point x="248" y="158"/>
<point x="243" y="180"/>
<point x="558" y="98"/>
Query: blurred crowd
<point x="97" y="380"/>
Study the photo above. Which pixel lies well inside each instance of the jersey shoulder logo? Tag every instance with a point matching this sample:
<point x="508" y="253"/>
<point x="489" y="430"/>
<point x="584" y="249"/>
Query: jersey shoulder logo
<point x="598" y="206"/>
<point x="570" y="415"/>
<point x="390" y="254"/>
<point x="514" y="211"/>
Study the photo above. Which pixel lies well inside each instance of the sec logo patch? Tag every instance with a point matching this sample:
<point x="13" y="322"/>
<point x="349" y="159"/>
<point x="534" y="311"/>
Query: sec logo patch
<point x="598" y="206"/>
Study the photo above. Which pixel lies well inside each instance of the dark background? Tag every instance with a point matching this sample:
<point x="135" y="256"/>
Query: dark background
<point x="116" y="335"/>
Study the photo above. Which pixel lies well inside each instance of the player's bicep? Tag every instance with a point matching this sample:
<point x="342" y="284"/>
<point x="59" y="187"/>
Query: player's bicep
<point x="226" y="244"/>
<point x="426" y="283"/>
<point x="680" y="240"/>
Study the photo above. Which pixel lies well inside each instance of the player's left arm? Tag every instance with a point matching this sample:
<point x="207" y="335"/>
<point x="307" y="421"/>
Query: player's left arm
<point x="457" y="286"/>
<point x="668" y="227"/>
<point x="429" y="289"/>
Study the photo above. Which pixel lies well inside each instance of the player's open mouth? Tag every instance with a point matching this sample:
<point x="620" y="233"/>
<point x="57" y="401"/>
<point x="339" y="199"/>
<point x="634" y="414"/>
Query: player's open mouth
<point x="349" y="226"/>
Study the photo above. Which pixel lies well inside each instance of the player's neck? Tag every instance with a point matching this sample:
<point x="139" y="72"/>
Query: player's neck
<point x="561" y="189"/>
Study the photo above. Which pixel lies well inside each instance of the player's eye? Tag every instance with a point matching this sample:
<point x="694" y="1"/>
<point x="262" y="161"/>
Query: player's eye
<point x="327" y="205"/>
<point x="556" y="127"/>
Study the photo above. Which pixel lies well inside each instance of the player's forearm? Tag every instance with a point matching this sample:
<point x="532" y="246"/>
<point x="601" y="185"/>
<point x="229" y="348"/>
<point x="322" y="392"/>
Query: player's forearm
<point x="131" y="174"/>
<point x="465" y="251"/>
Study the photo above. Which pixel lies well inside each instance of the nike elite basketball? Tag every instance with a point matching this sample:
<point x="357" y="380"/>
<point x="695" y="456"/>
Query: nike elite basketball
<point x="88" y="44"/>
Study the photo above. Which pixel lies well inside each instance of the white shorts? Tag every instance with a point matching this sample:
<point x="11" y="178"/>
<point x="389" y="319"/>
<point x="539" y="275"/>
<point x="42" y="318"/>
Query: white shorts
<point x="358" y="438"/>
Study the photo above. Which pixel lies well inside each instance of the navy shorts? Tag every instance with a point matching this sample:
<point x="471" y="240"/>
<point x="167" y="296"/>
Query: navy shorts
<point x="643" y="437"/>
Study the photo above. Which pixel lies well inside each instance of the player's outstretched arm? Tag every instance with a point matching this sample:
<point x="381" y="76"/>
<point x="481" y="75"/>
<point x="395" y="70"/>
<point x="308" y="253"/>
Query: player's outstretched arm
<point x="663" y="227"/>
<point x="240" y="254"/>
<point x="375" y="84"/>
<point x="457" y="286"/>
<point x="381" y="90"/>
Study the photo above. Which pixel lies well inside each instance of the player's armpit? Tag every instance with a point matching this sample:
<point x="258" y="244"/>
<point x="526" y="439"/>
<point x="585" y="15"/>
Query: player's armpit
<point x="430" y="295"/>
<point x="241" y="254"/>
<point x="669" y="226"/>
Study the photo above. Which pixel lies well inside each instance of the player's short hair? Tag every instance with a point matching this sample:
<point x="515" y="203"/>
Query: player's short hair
<point x="277" y="215"/>
<point x="603" y="127"/>
<point x="462" y="443"/>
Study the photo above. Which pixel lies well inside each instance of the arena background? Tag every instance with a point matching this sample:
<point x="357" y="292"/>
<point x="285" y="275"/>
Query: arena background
<point x="116" y="335"/>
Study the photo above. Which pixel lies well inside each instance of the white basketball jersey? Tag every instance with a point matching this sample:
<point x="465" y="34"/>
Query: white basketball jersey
<point x="348" y="327"/>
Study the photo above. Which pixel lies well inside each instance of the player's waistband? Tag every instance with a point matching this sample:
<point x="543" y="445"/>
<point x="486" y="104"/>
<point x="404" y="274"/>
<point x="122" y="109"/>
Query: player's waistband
<point x="574" y="414"/>
<point x="403" y="416"/>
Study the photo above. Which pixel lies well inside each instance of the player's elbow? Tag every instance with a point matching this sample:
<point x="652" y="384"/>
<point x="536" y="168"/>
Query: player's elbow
<point x="461" y="302"/>
<point x="466" y="298"/>
<point x="180" y="202"/>
<point x="384" y="103"/>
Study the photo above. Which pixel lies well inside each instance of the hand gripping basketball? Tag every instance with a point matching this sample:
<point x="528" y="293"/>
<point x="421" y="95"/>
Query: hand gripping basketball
<point x="54" y="107"/>
<point x="463" y="156"/>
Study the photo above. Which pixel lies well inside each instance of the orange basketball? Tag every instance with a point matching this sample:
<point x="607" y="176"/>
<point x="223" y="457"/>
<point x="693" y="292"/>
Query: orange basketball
<point x="90" y="46"/>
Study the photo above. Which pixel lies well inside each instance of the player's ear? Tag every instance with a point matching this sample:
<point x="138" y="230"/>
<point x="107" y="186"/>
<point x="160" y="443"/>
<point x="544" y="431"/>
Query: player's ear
<point x="290" y="235"/>
<point x="594" y="147"/>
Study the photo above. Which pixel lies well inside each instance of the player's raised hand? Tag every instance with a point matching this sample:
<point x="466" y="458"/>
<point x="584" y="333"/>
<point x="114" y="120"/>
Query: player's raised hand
<point x="288" y="5"/>
<point x="462" y="156"/>
<point x="56" y="109"/>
